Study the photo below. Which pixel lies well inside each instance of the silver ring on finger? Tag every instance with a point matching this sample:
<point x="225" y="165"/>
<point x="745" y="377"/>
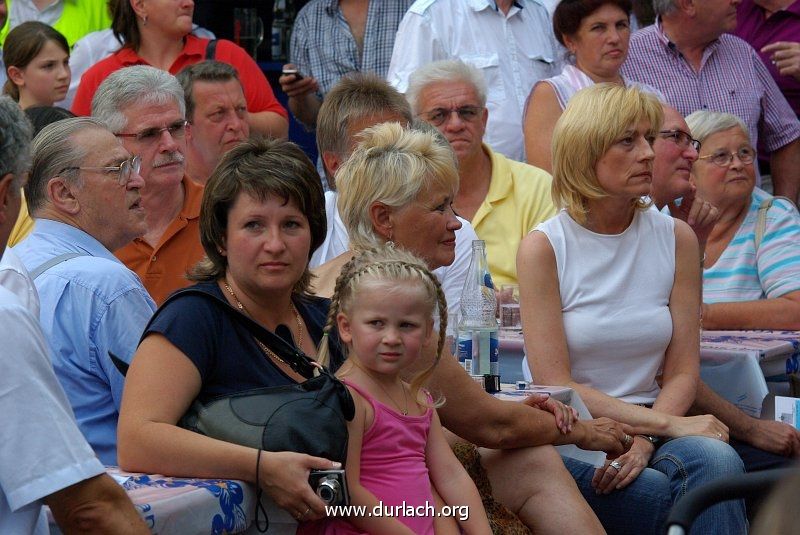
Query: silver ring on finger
<point x="615" y="465"/>
<point x="302" y="515"/>
<point x="719" y="436"/>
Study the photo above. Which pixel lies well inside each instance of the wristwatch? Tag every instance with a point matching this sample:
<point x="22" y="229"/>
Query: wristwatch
<point x="651" y="439"/>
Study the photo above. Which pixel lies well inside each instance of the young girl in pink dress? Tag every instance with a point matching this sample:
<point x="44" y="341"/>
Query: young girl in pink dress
<point x="383" y="306"/>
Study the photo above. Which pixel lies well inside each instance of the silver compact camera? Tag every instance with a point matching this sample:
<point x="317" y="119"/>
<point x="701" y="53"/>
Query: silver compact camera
<point x="330" y="486"/>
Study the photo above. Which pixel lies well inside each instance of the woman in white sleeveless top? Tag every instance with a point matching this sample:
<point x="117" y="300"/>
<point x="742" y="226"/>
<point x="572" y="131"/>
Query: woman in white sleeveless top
<point x="610" y="295"/>
<point x="596" y="34"/>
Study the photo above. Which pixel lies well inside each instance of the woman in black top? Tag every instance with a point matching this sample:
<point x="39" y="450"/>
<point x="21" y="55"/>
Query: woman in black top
<point x="262" y="216"/>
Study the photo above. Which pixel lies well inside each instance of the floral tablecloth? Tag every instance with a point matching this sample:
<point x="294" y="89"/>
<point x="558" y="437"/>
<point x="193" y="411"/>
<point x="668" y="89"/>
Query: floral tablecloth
<point x="192" y="506"/>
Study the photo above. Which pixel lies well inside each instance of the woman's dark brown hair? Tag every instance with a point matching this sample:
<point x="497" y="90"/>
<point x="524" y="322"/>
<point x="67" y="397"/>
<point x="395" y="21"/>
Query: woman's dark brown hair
<point x="124" y="25"/>
<point x="23" y="44"/>
<point x="569" y="14"/>
<point x="260" y="168"/>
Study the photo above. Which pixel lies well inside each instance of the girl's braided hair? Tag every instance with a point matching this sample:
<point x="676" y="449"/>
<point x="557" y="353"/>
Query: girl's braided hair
<point x="380" y="264"/>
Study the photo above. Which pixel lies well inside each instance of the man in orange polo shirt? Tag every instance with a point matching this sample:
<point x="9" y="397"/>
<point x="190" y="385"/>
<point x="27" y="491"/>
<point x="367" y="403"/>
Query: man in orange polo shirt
<point x="144" y="107"/>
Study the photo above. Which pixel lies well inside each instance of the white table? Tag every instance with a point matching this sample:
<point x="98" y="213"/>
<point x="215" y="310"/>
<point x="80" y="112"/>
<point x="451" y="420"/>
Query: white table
<point x="736" y="363"/>
<point x="733" y="363"/>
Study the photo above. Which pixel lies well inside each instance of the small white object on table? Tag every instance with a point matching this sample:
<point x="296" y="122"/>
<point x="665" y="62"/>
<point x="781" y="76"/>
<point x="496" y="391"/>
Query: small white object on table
<point x="567" y="396"/>
<point x="188" y="506"/>
<point x="735" y="363"/>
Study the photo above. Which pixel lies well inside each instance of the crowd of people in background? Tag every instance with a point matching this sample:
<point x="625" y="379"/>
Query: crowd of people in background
<point x="637" y="179"/>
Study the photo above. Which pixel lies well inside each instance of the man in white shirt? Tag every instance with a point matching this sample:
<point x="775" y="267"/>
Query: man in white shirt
<point x="45" y="459"/>
<point x="511" y="41"/>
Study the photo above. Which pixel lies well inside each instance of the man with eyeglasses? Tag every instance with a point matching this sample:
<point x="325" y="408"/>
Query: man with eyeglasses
<point x="691" y="58"/>
<point x="145" y="109"/>
<point x="45" y="460"/>
<point x="761" y="444"/>
<point x="503" y="199"/>
<point x="217" y="114"/>
<point x="84" y="192"/>
<point x="510" y="41"/>
<point x="675" y="152"/>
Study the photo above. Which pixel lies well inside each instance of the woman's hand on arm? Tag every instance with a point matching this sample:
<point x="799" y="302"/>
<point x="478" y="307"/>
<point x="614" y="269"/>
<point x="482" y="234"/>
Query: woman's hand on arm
<point x="540" y="120"/>
<point x="565" y="415"/>
<point x="452" y="482"/>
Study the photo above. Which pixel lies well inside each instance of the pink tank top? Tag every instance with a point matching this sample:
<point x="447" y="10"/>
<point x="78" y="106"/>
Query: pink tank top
<point x="393" y="468"/>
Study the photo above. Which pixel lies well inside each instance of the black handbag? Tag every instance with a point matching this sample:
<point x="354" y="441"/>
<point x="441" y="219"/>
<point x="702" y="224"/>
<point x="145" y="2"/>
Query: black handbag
<point x="309" y="417"/>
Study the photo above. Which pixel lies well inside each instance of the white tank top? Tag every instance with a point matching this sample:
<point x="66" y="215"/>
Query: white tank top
<point x="615" y="292"/>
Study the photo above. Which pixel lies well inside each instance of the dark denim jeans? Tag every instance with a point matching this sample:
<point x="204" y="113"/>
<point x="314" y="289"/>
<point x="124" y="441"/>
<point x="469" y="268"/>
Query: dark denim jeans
<point x="676" y="467"/>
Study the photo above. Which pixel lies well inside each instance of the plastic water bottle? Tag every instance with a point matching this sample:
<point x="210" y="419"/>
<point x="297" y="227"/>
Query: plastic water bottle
<point x="478" y="348"/>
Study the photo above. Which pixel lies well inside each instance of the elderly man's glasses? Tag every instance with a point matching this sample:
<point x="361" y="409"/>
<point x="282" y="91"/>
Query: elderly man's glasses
<point x="680" y="138"/>
<point x="438" y="116"/>
<point x="724" y="158"/>
<point x="150" y="135"/>
<point x="123" y="170"/>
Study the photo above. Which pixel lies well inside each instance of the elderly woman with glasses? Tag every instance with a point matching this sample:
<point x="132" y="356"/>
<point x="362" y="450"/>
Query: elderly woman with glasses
<point x="609" y="296"/>
<point x="751" y="276"/>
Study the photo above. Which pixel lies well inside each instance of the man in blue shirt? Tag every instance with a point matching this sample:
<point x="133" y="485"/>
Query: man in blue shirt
<point x="45" y="460"/>
<point x="83" y="190"/>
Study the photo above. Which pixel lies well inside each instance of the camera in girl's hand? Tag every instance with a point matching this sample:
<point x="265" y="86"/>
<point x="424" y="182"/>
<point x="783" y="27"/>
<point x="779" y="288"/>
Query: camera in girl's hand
<point x="330" y="485"/>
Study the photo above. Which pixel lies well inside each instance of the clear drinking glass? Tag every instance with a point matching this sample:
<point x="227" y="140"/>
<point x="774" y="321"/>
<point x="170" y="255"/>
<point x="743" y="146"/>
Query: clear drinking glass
<point x="508" y="297"/>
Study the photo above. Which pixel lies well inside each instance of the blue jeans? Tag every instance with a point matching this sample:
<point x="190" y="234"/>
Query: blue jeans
<point x="641" y="508"/>
<point x="689" y="462"/>
<point x="755" y="459"/>
<point x="676" y="466"/>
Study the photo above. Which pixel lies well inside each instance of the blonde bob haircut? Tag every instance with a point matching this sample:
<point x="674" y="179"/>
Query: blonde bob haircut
<point x="392" y="165"/>
<point x="594" y="119"/>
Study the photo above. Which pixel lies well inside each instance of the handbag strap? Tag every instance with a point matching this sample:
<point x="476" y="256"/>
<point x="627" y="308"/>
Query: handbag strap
<point x="211" y="49"/>
<point x="293" y="356"/>
<point x="761" y="220"/>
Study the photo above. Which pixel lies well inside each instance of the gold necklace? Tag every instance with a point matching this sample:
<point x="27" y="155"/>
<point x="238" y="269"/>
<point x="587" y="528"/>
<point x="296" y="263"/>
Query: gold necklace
<point x="261" y="344"/>
<point x="402" y="386"/>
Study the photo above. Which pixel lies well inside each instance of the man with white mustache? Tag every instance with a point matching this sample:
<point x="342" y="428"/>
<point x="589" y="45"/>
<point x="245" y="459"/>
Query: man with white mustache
<point x="83" y="190"/>
<point x="145" y="108"/>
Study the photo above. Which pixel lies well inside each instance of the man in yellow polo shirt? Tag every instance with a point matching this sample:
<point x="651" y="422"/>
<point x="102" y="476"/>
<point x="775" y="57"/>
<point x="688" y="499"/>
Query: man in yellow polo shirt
<point x="502" y="198"/>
